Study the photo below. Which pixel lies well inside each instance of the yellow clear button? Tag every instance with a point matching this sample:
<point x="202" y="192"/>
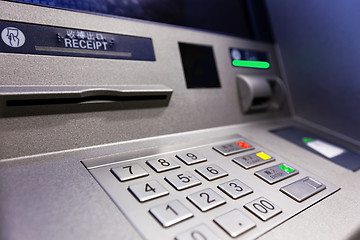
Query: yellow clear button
<point x="263" y="155"/>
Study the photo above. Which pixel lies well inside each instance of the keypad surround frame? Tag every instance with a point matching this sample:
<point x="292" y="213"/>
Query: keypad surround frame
<point x="138" y="213"/>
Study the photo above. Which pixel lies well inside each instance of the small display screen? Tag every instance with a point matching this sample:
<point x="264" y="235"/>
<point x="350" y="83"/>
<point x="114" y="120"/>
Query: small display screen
<point x="199" y="66"/>
<point x="228" y="17"/>
<point x="248" y="58"/>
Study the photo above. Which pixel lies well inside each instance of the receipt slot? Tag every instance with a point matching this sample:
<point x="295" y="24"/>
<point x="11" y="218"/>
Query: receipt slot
<point x="260" y="93"/>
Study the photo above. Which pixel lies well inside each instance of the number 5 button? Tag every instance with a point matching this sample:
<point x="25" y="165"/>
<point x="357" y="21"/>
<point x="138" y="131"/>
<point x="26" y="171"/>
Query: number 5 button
<point x="183" y="180"/>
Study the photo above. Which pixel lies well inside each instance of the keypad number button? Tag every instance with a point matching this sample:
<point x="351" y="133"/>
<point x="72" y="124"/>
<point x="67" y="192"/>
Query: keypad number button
<point x="211" y="172"/>
<point x="201" y="232"/>
<point x="263" y="208"/>
<point x="162" y="164"/>
<point x="234" y="223"/>
<point x="129" y="172"/>
<point x="190" y="157"/>
<point x="170" y="213"/>
<point x="183" y="180"/>
<point x="206" y="199"/>
<point x="148" y="190"/>
<point x="235" y="188"/>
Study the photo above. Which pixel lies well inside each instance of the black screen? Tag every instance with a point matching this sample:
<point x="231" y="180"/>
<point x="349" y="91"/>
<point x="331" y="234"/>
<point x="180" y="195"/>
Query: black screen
<point x="199" y="66"/>
<point x="228" y="17"/>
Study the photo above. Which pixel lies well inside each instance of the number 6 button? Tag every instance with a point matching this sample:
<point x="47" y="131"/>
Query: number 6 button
<point x="211" y="172"/>
<point x="263" y="208"/>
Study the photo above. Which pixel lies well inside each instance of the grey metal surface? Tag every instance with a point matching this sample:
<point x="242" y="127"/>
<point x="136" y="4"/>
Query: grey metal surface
<point x="83" y="210"/>
<point x="186" y="111"/>
<point x="206" y="201"/>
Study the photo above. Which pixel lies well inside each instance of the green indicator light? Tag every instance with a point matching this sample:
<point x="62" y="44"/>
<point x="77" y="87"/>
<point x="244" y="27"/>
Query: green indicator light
<point x="286" y="169"/>
<point x="251" y="64"/>
<point x="307" y="140"/>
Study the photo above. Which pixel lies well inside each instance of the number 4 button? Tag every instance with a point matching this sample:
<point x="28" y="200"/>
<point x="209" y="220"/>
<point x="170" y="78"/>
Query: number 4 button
<point x="148" y="190"/>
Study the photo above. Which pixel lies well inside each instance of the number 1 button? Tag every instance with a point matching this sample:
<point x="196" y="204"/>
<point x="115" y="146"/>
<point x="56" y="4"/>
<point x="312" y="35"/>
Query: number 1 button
<point x="170" y="213"/>
<point x="234" y="222"/>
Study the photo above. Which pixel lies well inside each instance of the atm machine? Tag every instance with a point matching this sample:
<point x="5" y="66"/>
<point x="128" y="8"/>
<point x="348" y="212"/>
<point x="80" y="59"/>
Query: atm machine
<point x="159" y="119"/>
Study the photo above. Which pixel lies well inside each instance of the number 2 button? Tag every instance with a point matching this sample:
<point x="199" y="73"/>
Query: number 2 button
<point x="206" y="199"/>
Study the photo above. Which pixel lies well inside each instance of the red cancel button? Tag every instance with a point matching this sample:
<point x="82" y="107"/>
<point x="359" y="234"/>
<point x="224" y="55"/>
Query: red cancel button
<point x="243" y="144"/>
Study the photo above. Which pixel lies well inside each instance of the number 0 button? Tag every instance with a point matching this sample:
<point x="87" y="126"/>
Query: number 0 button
<point x="171" y="213"/>
<point x="263" y="208"/>
<point x="148" y="190"/>
<point x="201" y="232"/>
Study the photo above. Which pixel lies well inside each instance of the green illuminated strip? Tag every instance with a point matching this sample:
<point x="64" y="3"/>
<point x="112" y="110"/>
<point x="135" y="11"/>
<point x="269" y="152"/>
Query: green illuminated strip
<point x="307" y="140"/>
<point x="252" y="64"/>
<point x="286" y="169"/>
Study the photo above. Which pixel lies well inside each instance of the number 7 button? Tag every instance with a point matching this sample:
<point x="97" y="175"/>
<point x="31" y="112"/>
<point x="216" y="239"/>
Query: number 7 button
<point x="129" y="172"/>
